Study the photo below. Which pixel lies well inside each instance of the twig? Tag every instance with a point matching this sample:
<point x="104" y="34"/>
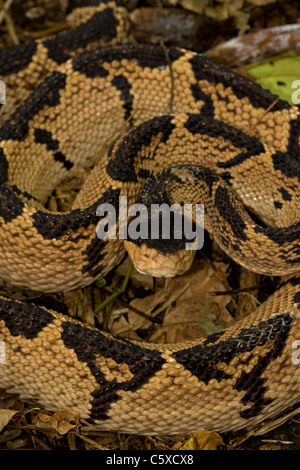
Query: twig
<point x="120" y="290"/>
<point x="139" y="312"/>
<point x="251" y="129"/>
<point x="244" y="289"/>
<point x="4" y="10"/>
<point x="169" y="106"/>
<point x="9" y="22"/>
<point x="91" y="442"/>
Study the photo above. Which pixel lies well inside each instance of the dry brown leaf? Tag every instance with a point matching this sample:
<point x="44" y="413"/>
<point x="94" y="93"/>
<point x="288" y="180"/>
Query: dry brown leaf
<point x="203" y="440"/>
<point x="122" y="327"/>
<point x="146" y="305"/>
<point x="80" y="304"/>
<point x="176" y="333"/>
<point x="196" y="312"/>
<point x="270" y="446"/>
<point x="62" y="421"/>
<point x="191" y="310"/>
<point x="257" y="46"/>
<point x="5" y="417"/>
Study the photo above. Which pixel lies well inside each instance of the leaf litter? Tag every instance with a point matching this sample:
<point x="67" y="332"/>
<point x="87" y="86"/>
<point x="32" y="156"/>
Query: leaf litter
<point x="190" y="309"/>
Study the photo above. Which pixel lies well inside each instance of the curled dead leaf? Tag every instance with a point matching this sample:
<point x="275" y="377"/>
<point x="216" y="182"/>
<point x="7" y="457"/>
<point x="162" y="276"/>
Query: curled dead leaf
<point x="61" y="421"/>
<point x="5" y="417"/>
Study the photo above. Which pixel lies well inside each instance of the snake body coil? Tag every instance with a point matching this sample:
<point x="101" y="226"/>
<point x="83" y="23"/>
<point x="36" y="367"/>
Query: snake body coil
<point x="188" y="117"/>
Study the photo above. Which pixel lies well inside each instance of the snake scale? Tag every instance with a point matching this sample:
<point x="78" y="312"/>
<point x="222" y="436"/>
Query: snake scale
<point x="196" y="132"/>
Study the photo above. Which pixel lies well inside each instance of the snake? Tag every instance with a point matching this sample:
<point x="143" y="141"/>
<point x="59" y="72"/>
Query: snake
<point x="177" y="127"/>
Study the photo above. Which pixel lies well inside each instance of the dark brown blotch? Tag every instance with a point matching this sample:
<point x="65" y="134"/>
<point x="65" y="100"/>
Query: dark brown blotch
<point x="89" y="345"/>
<point x="24" y="319"/>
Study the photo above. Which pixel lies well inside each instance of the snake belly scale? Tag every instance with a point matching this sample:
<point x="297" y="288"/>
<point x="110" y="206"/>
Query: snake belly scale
<point x="198" y="133"/>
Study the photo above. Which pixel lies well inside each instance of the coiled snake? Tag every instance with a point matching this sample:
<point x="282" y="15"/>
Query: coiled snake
<point x="216" y="120"/>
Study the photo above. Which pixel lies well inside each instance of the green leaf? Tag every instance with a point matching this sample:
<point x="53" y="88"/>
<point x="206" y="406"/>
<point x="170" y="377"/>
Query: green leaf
<point x="278" y="76"/>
